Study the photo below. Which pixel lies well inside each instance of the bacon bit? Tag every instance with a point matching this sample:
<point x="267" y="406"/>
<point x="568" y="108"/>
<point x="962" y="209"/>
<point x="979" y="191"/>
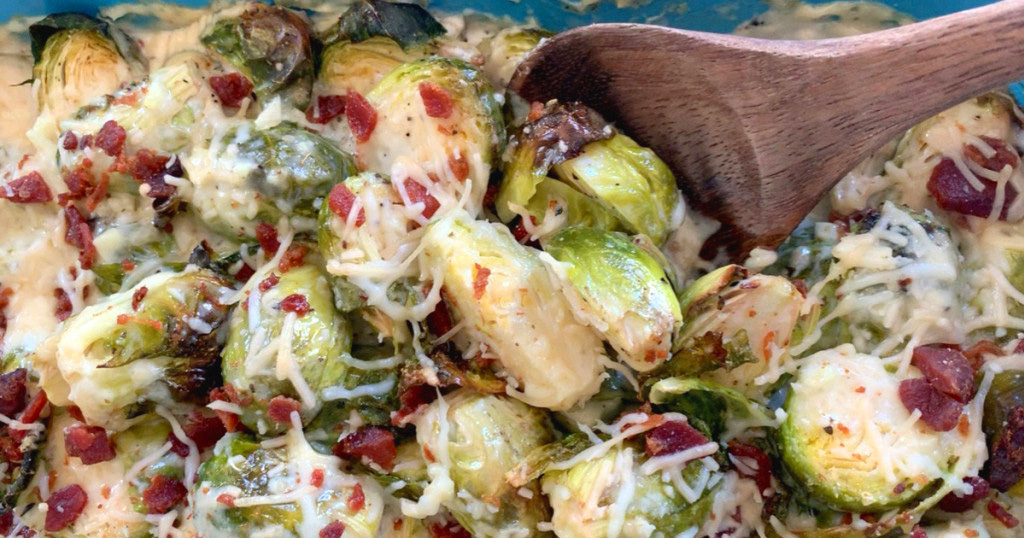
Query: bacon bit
<point x="244" y="273"/>
<point x="411" y="400"/>
<point x="231" y="89"/>
<point x="1002" y="514"/>
<point x="280" y="409"/>
<point x="418" y="193"/>
<point x="293" y="257"/>
<point x="98" y="192"/>
<point x="64" y="306"/>
<point x="459" y="167"/>
<point x="843" y="429"/>
<point x="30" y="414"/>
<point x="204" y="431"/>
<point x="149" y="168"/>
<point x="439" y="321"/>
<point x="316" y="478"/>
<point x="1002" y="158"/>
<point x="297" y="303"/>
<point x="480" y="276"/>
<point x="75" y="412"/>
<point x="341" y="200"/>
<point x="1006" y="459"/>
<point x="111" y="138"/>
<point x="917" y="532"/>
<point x="266" y="235"/>
<point x="127" y="264"/>
<point x="357" y="500"/>
<point x="436" y="100"/>
<point x="371" y="442"/>
<point x="671" y="437"/>
<point x="800" y="286"/>
<point x="138" y="296"/>
<point x="78" y="235"/>
<point x="956" y="504"/>
<point x="447" y="529"/>
<point x="326" y="109"/>
<point x="69" y="141"/>
<point x="397" y="523"/>
<point x="65" y="505"/>
<point x="976" y="354"/>
<point x="536" y="111"/>
<point x="85" y="142"/>
<point x="89" y="443"/>
<point x="953" y="192"/>
<point x="762" y="475"/>
<point x="13" y="392"/>
<point x="125" y="319"/>
<point x="362" y="118"/>
<point x="268" y="282"/>
<point x="226" y="500"/>
<point x="163" y="494"/>
<point x="938" y="411"/>
<point x="28" y="189"/>
<point x="947" y="370"/>
<point x="79" y="182"/>
<point x="333" y="529"/>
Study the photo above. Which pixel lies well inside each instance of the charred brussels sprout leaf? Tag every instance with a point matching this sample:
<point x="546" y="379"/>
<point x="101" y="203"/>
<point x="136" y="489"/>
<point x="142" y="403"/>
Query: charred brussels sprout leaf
<point x="624" y="290"/>
<point x="271" y="46"/>
<point x="162" y="351"/>
<point x="407" y="24"/>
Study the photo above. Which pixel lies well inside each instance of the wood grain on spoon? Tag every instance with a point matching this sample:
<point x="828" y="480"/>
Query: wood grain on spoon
<point x="757" y="131"/>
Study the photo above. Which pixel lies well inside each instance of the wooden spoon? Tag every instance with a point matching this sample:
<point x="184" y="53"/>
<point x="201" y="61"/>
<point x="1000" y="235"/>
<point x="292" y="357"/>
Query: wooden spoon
<point x="757" y="131"/>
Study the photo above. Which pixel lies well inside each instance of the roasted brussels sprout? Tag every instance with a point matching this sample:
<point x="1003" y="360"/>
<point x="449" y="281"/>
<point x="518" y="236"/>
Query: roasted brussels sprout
<point x="511" y="303"/>
<point x="286" y="339"/>
<point x="156" y="343"/>
<point x="849" y="439"/>
<point x="440" y="115"/>
<point x="358" y="66"/>
<point x="283" y="171"/>
<point x="503" y="52"/>
<point x="623" y="289"/>
<point x="483" y="437"/>
<point x="583" y="151"/>
<point x="272" y="490"/>
<point x="78" y="58"/>
<point x="408" y="25"/>
<point x="1003" y="424"/>
<point x="271" y="46"/>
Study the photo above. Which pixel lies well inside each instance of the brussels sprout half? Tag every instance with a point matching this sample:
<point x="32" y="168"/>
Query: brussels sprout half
<point x="358" y="66"/>
<point x="503" y="52"/>
<point x="255" y="364"/>
<point x="117" y="356"/>
<point x="850" y="441"/>
<point x="484" y="437"/>
<point x="625" y="289"/>
<point x="271" y="46"/>
<point x="457" y="144"/>
<point x="408" y="25"/>
<point x="509" y="301"/>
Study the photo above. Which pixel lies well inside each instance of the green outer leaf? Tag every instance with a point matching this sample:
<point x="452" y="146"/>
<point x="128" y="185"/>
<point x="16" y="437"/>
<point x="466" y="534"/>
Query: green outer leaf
<point x="706" y="403"/>
<point x="408" y="24"/>
<point x="126" y="46"/>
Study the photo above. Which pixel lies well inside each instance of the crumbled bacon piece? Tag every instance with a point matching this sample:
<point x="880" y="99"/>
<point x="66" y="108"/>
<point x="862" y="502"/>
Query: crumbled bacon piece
<point x="362" y="118"/>
<point x="761" y="470"/>
<point x="333" y="529"/>
<point x="480" y="276"/>
<point x="411" y="400"/>
<point x="956" y="503"/>
<point x="163" y="494"/>
<point x="228" y="393"/>
<point x="226" y="500"/>
<point x="231" y="88"/>
<point x="448" y="529"/>
<point x="341" y="200"/>
<point x="371" y="442"/>
<point x="79" y="182"/>
<point x="418" y="194"/>
<point x="267" y="283"/>
<point x="64" y="306"/>
<point x="671" y="437"/>
<point x="204" y="431"/>
<point x="30" y="414"/>
<point x="918" y="532"/>
<point x="280" y="409"/>
<point x="149" y="168"/>
<point x="316" y="478"/>
<point x="138" y="296"/>
<point x="938" y="411"/>
<point x="439" y="321"/>
<point x="266" y="235"/>
<point x="326" y="109"/>
<point x="65" y="505"/>
<point x="947" y="370"/>
<point x="1006" y="459"/>
<point x="953" y="192"/>
<point x="1001" y="158"/>
<point x="13" y="392"/>
<point x="28" y="189"/>
<point x="293" y="257"/>
<point x="436" y="100"/>
<point x="976" y="354"/>
<point x="98" y="192"/>
<point x="111" y="138"/>
<point x="90" y="443"/>
<point x="69" y="141"/>
<point x="296" y="303"/>
<point x="1004" y="516"/>
<point x="78" y="235"/>
<point x="244" y="273"/>
<point x="357" y="500"/>
<point x="459" y="167"/>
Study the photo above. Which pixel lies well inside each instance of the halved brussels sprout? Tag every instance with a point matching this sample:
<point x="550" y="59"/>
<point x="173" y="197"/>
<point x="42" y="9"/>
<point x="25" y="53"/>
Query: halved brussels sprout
<point x="263" y="175"/>
<point x="613" y="495"/>
<point x="406" y="24"/>
<point x="358" y="66"/>
<point x="483" y="437"/>
<point x="624" y="290"/>
<point x="457" y="144"/>
<point x="503" y="52"/>
<point x="156" y="343"/>
<point x="246" y="489"/>
<point x="849" y="439"/>
<point x="271" y="351"/>
<point x="78" y="58"/>
<point x="626" y="179"/>
<point x="271" y="46"/>
<point x="509" y="301"/>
